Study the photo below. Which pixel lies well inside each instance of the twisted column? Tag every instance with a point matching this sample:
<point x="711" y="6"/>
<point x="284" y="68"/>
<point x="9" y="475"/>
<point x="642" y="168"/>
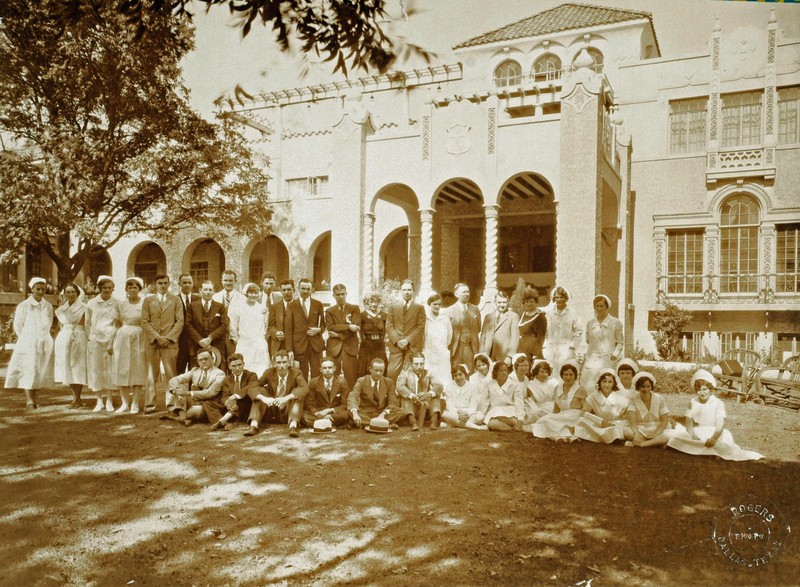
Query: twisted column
<point x="426" y="252"/>
<point x="491" y="211"/>
<point x="369" y="251"/>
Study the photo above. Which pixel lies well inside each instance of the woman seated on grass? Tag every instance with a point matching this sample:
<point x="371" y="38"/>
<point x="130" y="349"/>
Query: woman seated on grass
<point x="604" y="419"/>
<point x="647" y="414"/>
<point x="505" y="398"/>
<point x="461" y="398"/>
<point x="570" y="403"/>
<point x="540" y="395"/>
<point x="480" y="378"/>
<point x="704" y="432"/>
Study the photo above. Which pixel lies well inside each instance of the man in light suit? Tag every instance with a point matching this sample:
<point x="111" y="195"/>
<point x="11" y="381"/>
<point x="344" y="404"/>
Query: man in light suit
<point x="276" y="325"/>
<point x="198" y="392"/>
<point x="418" y="393"/>
<point x="466" y="321"/>
<point x="343" y="321"/>
<point x="327" y="397"/>
<point x="500" y="331"/>
<point x="374" y="396"/>
<point x="207" y="324"/>
<point x="162" y="323"/>
<point x="279" y="396"/>
<point x="405" y="325"/>
<point x="305" y="323"/>
<point x="185" y="355"/>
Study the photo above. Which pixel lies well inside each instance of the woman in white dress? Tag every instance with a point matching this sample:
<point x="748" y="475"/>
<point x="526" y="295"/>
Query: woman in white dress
<point x="438" y="335"/>
<point x="461" y="397"/>
<point x="540" y="396"/>
<point x="480" y="377"/>
<point x="626" y="369"/>
<point x="604" y="341"/>
<point x="704" y="433"/>
<point x="70" y="346"/>
<point x="248" y="328"/>
<point x="605" y="418"/>
<point x="130" y="366"/>
<point x="31" y="365"/>
<point x="507" y="395"/>
<point x="563" y="330"/>
<point x="570" y="403"/>
<point x="647" y="414"/>
<point x="102" y="321"/>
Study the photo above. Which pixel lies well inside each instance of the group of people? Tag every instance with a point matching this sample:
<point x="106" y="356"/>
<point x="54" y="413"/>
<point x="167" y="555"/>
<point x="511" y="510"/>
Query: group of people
<point x="260" y="355"/>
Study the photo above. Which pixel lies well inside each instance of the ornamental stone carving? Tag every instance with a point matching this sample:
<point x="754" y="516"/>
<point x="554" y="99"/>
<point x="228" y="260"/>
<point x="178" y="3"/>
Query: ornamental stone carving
<point x="458" y="141"/>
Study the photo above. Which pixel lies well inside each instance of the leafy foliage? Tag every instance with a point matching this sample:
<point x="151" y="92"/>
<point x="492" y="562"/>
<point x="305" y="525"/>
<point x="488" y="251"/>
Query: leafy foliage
<point x="103" y="141"/>
<point x="671" y="381"/>
<point x="669" y="323"/>
<point x="343" y="30"/>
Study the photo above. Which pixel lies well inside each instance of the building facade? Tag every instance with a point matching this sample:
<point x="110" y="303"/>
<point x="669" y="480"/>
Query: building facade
<point x="562" y="149"/>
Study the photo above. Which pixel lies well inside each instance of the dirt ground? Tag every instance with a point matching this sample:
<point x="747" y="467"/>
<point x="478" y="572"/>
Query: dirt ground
<point x="92" y="499"/>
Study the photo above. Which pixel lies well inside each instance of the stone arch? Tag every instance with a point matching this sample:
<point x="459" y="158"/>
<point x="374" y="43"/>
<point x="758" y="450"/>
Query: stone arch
<point x="146" y="260"/>
<point x="204" y="259"/>
<point x="319" y="259"/>
<point x="266" y="254"/>
<point x="526" y="233"/>
<point x="394" y="255"/>
<point x="752" y="189"/>
<point x="406" y="205"/>
<point x="98" y="263"/>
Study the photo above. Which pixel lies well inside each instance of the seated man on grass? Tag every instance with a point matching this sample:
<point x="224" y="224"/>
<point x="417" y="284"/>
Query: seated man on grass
<point x="374" y="396"/>
<point x="327" y="397"/>
<point x="198" y="392"/>
<point x="278" y="398"/>
<point x="234" y="393"/>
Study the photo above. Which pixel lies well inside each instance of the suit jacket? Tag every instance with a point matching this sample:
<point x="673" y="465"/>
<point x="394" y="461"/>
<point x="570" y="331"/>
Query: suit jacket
<point x="268" y="384"/>
<point x="296" y="324"/>
<point x="162" y="319"/>
<point x="361" y="397"/>
<point x="339" y="321"/>
<point x="466" y="325"/>
<point x="409" y="325"/>
<point x="500" y="334"/>
<point x="276" y="323"/>
<point x="319" y="399"/>
<point x="248" y="382"/>
<point x="409" y="385"/>
<point x="193" y="381"/>
<point x="201" y="325"/>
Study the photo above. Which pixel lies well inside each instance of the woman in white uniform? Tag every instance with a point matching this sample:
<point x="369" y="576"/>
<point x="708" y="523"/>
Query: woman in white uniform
<point x="70" y="346"/>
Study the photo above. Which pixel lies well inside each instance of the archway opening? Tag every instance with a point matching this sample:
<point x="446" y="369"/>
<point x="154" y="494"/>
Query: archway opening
<point x="268" y="254"/>
<point x="206" y="261"/>
<point x="394" y="255"/>
<point x="321" y="269"/>
<point x="147" y="261"/>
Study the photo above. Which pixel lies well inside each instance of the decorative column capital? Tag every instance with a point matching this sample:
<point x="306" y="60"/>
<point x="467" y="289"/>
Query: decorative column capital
<point x="426" y="214"/>
<point x="491" y="210"/>
<point x="369" y="217"/>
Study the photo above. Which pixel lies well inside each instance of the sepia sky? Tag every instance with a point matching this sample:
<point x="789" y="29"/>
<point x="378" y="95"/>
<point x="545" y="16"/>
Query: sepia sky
<point x="223" y="59"/>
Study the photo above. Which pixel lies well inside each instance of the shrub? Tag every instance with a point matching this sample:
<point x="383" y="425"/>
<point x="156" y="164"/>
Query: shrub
<point x="669" y="381"/>
<point x="639" y="354"/>
<point x="7" y="334"/>
<point x="389" y="290"/>
<point x="669" y="323"/>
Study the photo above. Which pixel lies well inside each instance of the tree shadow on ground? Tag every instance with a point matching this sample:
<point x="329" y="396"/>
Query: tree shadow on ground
<point x="96" y="499"/>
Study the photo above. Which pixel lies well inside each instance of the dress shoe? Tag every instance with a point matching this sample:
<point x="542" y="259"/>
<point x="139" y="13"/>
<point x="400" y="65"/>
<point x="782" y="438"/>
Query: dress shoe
<point x="218" y="425"/>
<point x="293" y="432"/>
<point x="188" y="423"/>
<point x="252" y="431"/>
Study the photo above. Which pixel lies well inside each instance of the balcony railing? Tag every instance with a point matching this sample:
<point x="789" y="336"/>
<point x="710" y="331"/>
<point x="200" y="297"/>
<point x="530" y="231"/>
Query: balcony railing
<point x="759" y="161"/>
<point x="729" y="288"/>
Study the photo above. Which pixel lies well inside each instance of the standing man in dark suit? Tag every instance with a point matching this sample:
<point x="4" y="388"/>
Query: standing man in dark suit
<point x="279" y="396"/>
<point x="327" y="397"/>
<point x="405" y="325"/>
<point x="343" y="321"/>
<point x="162" y="323"/>
<point x="466" y="321"/>
<point x="276" y="327"/>
<point x="374" y="396"/>
<point x="268" y="294"/>
<point x="186" y="283"/>
<point x="305" y="323"/>
<point x="235" y="390"/>
<point x="207" y="324"/>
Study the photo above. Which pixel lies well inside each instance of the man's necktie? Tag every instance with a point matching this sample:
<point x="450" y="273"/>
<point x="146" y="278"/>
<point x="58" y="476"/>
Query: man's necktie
<point x="375" y="391"/>
<point x="201" y="383"/>
<point x="227" y="299"/>
<point x="328" y="385"/>
<point x="236" y="385"/>
<point x="305" y="307"/>
<point x="281" y="387"/>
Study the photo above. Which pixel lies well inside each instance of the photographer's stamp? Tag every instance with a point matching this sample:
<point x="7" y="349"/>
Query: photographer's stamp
<point x="751" y="532"/>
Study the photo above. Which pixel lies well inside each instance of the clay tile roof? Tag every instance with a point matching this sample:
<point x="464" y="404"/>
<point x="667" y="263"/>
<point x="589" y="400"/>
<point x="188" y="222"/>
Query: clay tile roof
<point x="560" y="18"/>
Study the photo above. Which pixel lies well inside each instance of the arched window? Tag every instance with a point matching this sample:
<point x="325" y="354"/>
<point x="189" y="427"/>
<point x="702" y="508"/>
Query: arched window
<point x="547" y="68"/>
<point x="739" y="220"/>
<point x="508" y="74"/>
<point x="597" y="58"/>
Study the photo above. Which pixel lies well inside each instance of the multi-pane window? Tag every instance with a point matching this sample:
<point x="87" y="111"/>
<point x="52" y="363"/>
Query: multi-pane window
<point x="687" y="126"/>
<point x="739" y="244"/>
<point x="547" y="68"/>
<point x="508" y="74"/>
<point x="307" y="187"/>
<point x="789" y="115"/>
<point x="685" y="261"/>
<point x="199" y="271"/>
<point x="788" y="258"/>
<point x="741" y="119"/>
<point x="729" y="341"/>
<point x="146" y="271"/>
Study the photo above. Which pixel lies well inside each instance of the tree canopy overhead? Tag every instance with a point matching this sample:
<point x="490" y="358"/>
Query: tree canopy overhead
<point x="100" y="142"/>
<point x="344" y="31"/>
